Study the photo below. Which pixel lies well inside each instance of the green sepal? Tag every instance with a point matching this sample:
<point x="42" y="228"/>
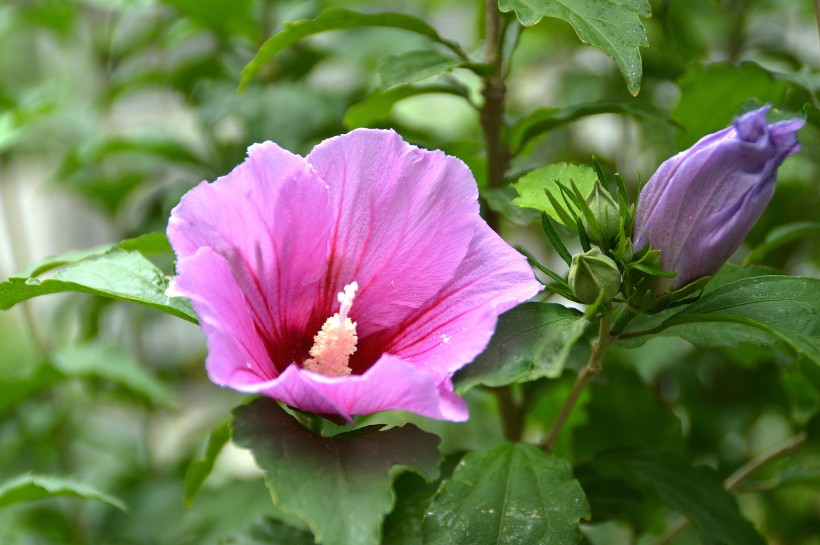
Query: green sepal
<point x="552" y="235"/>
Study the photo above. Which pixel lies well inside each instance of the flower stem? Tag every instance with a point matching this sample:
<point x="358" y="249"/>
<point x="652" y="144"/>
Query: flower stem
<point x="736" y="479"/>
<point x="592" y="368"/>
<point x="492" y="112"/>
<point x="512" y="414"/>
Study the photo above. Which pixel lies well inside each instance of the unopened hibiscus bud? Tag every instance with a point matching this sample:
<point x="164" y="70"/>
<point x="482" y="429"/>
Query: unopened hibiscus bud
<point x="605" y="211"/>
<point x="700" y="204"/>
<point x="591" y="273"/>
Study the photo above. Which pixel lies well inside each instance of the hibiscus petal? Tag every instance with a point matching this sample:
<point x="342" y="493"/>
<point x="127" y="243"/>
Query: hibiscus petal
<point x="390" y="384"/>
<point x="455" y="326"/>
<point x="270" y="218"/>
<point x="237" y="357"/>
<point x="403" y="220"/>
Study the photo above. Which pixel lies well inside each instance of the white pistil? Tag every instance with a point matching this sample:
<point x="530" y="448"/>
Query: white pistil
<point x="336" y="341"/>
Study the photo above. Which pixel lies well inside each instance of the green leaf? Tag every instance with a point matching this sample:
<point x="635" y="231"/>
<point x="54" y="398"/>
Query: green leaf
<point x="198" y="470"/>
<point x="228" y="20"/>
<point x="29" y="487"/>
<point x="614" y="26"/>
<point x="500" y="199"/>
<point x="546" y="119"/>
<point x="150" y="244"/>
<point x="404" y="524"/>
<point x="414" y="66"/>
<point x="697" y="493"/>
<point x="340" y="486"/>
<point x="376" y="109"/>
<point x="782" y="235"/>
<point x="118" y="274"/>
<point x="533" y="187"/>
<point x="721" y="89"/>
<point x="531" y="341"/>
<point x="97" y="360"/>
<point x="14" y="390"/>
<point x="624" y="412"/>
<point x="513" y="493"/>
<point x="269" y="531"/>
<point x="338" y="19"/>
<point x="762" y="308"/>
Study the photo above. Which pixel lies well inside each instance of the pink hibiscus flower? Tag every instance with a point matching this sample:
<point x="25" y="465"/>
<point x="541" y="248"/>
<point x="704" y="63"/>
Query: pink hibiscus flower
<point x="354" y="280"/>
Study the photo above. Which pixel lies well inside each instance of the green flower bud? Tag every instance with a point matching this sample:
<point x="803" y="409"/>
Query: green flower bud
<point x="591" y="273"/>
<point x="605" y="211"/>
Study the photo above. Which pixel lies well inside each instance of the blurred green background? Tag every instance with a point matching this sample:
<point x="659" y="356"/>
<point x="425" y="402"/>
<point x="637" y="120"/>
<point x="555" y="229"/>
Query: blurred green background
<point x="111" y="110"/>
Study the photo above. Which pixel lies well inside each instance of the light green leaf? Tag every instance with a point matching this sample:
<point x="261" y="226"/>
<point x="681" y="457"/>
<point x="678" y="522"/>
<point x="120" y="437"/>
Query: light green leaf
<point x="338" y="19"/>
<point x="532" y="188"/>
<point x="199" y="469"/>
<point x="696" y="492"/>
<point x="150" y="244"/>
<point x="97" y="360"/>
<point x="28" y="487"/>
<point x="531" y="341"/>
<point x="414" y="66"/>
<point x="546" y="119"/>
<point x="511" y="494"/>
<point x="377" y="107"/>
<point x="118" y="274"/>
<point x="340" y="486"/>
<point x="614" y="26"/>
<point x="786" y="308"/>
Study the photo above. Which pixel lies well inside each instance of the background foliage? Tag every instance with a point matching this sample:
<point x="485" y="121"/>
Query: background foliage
<point x="111" y="110"/>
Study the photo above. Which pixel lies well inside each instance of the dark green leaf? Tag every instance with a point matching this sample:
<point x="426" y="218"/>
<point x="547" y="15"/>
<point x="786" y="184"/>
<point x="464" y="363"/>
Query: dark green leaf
<point x="198" y="470"/>
<point x="500" y="199"/>
<point x="546" y="119"/>
<point x="697" y="493"/>
<point x="531" y="341"/>
<point x="533" y="188"/>
<point x="781" y="236"/>
<point x="403" y="526"/>
<point x="39" y="487"/>
<point x="721" y="89"/>
<point x="96" y="360"/>
<point x="122" y="275"/>
<point x="623" y="412"/>
<point x="760" y="308"/>
<point x="414" y="66"/>
<point x="236" y="19"/>
<point x="14" y="390"/>
<point x="152" y="243"/>
<point x="511" y="494"/>
<point x="338" y="19"/>
<point x="273" y="532"/>
<point x="340" y="486"/>
<point x="375" y="110"/>
<point x="614" y="26"/>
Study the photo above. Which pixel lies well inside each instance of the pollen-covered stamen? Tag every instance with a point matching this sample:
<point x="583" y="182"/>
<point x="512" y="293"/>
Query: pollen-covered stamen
<point x="336" y="341"/>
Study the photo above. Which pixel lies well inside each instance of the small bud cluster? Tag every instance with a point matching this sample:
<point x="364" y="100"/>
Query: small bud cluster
<point x="664" y="251"/>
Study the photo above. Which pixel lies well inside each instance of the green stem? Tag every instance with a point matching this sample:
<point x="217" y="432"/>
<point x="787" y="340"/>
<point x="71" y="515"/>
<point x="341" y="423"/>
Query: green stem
<point x="492" y="112"/>
<point x="592" y="368"/>
<point x="622" y="319"/>
<point x="512" y="414"/>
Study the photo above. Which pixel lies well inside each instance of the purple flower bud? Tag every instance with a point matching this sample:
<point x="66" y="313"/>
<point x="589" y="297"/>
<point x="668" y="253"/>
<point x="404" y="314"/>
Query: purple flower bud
<point x="700" y="204"/>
